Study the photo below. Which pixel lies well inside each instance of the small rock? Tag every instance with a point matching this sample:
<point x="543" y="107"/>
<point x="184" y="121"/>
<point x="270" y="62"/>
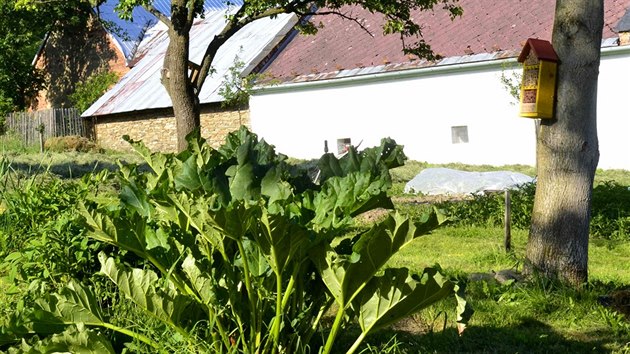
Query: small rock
<point x="480" y="276"/>
<point x="506" y="275"/>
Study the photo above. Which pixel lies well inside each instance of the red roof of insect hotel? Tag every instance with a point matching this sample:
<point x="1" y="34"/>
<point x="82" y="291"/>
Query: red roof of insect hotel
<point x="542" y="49"/>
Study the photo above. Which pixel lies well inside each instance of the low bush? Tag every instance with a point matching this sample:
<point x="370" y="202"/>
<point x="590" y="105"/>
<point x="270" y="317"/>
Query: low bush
<point x="610" y="215"/>
<point x="489" y="209"/>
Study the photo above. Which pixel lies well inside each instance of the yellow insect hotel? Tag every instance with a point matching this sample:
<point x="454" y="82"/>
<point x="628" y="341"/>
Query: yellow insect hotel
<point x="538" y="87"/>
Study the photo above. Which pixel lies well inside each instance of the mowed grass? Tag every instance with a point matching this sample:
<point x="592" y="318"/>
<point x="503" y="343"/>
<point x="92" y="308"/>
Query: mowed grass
<point x="534" y="316"/>
<point x="27" y="160"/>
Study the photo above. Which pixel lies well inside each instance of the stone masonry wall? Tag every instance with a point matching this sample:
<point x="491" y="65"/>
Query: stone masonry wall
<point x="215" y="125"/>
<point x="157" y="128"/>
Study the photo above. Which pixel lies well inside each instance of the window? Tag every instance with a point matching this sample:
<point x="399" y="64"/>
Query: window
<point x="459" y="134"/>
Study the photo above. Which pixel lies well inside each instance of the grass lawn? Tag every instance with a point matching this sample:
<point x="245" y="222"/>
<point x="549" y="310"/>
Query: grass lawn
<point x="536" y="317"/>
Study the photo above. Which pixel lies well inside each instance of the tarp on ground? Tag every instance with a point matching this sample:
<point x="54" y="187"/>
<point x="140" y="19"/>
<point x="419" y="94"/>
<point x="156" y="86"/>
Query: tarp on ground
<point x="436" y="181"/>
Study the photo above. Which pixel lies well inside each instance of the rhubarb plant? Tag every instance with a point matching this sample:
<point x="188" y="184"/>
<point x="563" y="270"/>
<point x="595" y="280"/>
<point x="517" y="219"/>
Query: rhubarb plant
<point x="248" y="254"/>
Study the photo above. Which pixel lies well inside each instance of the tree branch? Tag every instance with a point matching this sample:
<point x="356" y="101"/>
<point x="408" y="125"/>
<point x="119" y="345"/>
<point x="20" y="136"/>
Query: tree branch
<point x="230" y="29"/>
<point x="237" y="21"/>
<point x="159" y="15"/>
<point x="340" y="14"/>
<point x="191" y="13"/>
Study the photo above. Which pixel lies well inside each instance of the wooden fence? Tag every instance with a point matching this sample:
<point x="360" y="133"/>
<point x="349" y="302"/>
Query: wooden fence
<point x="55" y="122"/>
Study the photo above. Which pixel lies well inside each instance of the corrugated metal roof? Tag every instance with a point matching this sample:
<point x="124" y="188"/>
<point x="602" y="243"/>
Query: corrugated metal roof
<point x="129" y="34"/>
<point x="141" y="88"/>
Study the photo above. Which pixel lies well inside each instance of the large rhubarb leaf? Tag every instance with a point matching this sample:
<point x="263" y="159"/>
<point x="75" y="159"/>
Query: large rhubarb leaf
<point x="346" y="275"/>
<point x="397" y="294"/>
<point x="159" y="298"/>
<point x="281" y="240"/>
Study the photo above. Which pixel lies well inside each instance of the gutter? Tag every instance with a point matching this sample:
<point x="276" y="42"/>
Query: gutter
<point x="40" y="49"/>
<point x="406" y="74"/>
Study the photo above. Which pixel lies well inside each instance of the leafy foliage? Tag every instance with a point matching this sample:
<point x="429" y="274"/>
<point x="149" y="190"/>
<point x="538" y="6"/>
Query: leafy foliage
<point x="610" y="215"/>
<point x="94" y="87"/>
<point x="245" y="253"/>
<point x="20" y="34"/>
<point x="23" y="26"/>
<point x="511" y="81"/>
<point x="44" y="246"/>
<point x="489" y="209"/>
<point x="43" y="243"/>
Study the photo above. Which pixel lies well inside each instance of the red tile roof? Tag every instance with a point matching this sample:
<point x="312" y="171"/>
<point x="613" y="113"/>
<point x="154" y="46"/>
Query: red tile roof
<point x="487" y="26"/>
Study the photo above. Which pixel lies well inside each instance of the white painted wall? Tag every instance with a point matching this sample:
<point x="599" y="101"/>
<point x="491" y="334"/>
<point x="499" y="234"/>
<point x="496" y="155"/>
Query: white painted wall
<point x="613" y="112"/>
<point x="420" y="112"/>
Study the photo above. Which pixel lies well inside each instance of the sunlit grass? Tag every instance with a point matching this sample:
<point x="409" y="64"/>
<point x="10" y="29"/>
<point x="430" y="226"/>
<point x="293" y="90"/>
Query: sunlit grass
<point x="481" y="249"/>
<point x="538" y="316"/>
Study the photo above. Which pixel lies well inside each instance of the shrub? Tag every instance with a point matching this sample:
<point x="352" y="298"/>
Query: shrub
<point x="94" y="87"/>
<point x="610" y="212"/>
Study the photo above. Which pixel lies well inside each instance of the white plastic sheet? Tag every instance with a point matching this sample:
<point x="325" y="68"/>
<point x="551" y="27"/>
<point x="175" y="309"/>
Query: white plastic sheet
<point x="436" y="181"/>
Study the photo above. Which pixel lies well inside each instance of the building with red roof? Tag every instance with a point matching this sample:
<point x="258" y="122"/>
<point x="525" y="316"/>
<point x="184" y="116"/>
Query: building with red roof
<point x="345" y="83"/>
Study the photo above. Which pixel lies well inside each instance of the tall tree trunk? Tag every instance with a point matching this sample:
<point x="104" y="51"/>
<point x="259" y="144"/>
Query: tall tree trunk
<point x="567" y="148"/>
<point x="175" y="76"/>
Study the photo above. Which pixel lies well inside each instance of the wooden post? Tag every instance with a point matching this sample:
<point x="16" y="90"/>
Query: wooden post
<point x="508" y="221"/>
<point x="40" y="129"/>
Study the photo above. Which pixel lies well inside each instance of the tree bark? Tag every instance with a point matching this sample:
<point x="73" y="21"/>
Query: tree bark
<point x="175" y="74"/>
<point x="567" y="149"/>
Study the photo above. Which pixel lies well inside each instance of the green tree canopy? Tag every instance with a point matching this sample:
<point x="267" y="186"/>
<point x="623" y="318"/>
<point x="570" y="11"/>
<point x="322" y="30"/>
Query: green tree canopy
<point x="22" y="30"/>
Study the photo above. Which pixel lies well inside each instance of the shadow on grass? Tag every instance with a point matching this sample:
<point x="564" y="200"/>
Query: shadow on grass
<point x="67" y="170"/>
<point x="529" y="336"/>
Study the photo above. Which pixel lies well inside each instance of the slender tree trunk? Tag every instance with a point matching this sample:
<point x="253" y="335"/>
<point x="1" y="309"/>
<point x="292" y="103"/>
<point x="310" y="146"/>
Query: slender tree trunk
<point x="567" y="148"/>
<point x="175" y="77"/>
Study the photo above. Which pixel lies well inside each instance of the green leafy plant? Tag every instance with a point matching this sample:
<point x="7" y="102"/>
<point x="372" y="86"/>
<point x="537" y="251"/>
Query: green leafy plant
<point x="247" y="254"/>
<point x="610" y="216"/>
<point x="237" y="87"/>
<point x="511" y="81"/>
<point x="89" y="91"/>
<point x="489" y="209"/>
